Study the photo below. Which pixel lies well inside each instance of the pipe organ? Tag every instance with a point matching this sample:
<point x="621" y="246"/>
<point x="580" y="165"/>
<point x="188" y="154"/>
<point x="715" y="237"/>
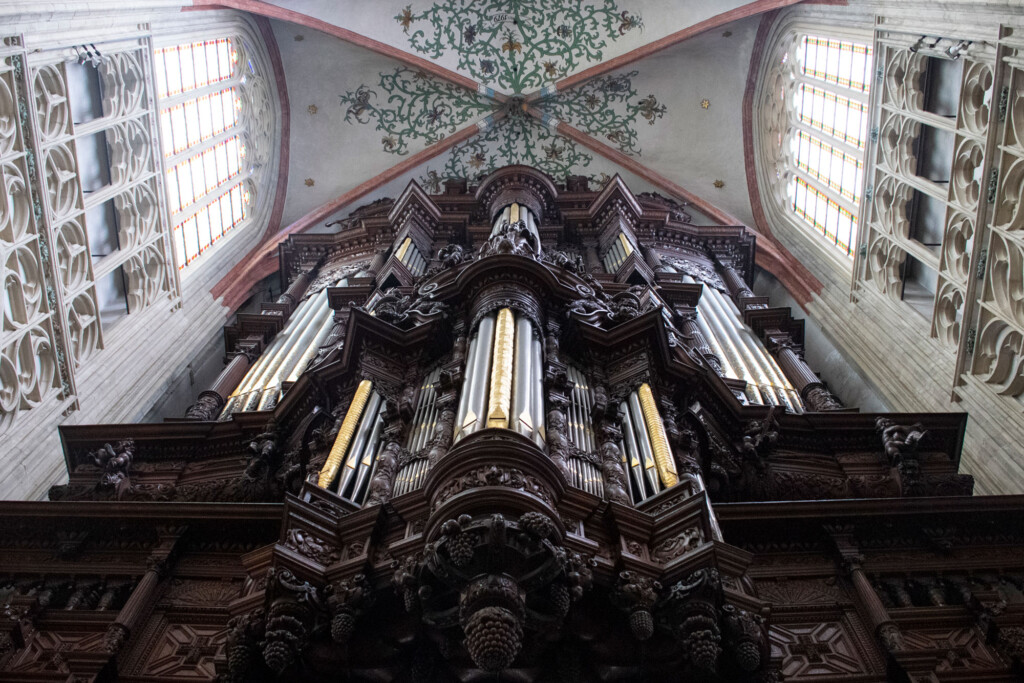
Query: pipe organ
<point x="617" y="253"/>
<point x="411" y="258"/>
<point x="504" y="378"/>
<point x="424" y="422"/>
<point x="357" y="446"/>
<point x="395" y="460"/>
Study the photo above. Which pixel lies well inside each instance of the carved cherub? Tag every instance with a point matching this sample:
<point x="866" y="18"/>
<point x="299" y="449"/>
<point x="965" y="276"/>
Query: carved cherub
<point x="899" y="440"/>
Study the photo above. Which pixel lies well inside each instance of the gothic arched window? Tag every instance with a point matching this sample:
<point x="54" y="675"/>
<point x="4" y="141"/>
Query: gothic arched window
<point x="814" y="125"/>
<point x="216" y="132"/>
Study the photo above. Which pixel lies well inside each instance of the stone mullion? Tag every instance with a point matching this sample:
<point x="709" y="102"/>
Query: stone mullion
<point x="970" y="313"/>
<point x="44" y="226"/>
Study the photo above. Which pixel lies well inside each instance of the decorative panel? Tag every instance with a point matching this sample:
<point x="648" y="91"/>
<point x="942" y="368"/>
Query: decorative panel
<point x="818" y="648"/>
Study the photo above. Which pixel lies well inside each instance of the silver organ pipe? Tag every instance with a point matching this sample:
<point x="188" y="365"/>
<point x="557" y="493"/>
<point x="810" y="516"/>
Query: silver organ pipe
<point x="780" y="384"/>
<point x="537" y="384"/>
<point x="473" y="403"/>
<point x="643" y="441"/>
<point x="522" y="394"/>
<point x="583" y="472"/>
<point x="410" y="476"/>
<point x="318" y="341"/>
<point x="734" y="329"/>
<point x="250" y="390"/>
<point x="723" y="332"/>
<point x="301" y="341"/>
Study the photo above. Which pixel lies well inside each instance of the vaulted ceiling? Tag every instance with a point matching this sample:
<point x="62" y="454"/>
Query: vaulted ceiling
<point x="386" y="92"/>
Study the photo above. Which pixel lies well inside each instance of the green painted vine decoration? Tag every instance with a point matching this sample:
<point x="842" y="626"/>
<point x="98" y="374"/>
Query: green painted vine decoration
<point x="608" y="108"/>
<point x="519" y="44"/>
<point x="516" y="139"/>
<point x="412" y="105"/>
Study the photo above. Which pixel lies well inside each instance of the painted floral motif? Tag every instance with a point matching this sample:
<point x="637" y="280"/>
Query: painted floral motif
<point x="517" y="139"/>
<point x="518" y="44"/>
<point x="413" y="106"/>
<point x="607" y="108"/>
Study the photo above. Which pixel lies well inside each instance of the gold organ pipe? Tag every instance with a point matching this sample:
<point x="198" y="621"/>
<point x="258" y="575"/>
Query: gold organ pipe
<point x="626" y="245"/>
<point x="500" y="400"/>
<point x="656" y="433"/>
<point x="348" y="428"/>
<point x="400" y="254"/>
<point x="513" y="215"/>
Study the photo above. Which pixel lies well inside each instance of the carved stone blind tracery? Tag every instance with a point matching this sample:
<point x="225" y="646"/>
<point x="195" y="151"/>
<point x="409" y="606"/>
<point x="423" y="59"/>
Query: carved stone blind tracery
<point x="52" y="320"/>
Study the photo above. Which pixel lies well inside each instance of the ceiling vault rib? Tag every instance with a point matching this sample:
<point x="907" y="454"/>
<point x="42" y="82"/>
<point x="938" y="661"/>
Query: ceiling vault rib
<point x="750" y="9"/>
<point x="261" y="260"/>
<point x="274" y="12"/>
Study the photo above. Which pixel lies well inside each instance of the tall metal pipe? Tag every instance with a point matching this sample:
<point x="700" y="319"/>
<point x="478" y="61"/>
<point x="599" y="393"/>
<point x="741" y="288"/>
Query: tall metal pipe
<point x="537" y="385"/>
<point x="480" y="374"/>
<point x="747" y="352"/>
<point x="644" y="442"/>
<point x="723" y="332"/>
<point x="355" y="449"/>
<point x="300" y="341"/>
<point x="467" y="383"/>
<point x="522" y="394"/>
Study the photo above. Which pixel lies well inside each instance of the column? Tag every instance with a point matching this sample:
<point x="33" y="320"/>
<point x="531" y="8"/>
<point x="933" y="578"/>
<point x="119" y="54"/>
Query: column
<point x="144" y="594"/>
<point x="816" y="397"/>
<point x="692" y="330"/>
<point x="211" y="402"/>
<point x="869" y="604"/>
<point x="376" y="263"/>
<point x="737" y="287"/>
<point x="653" y="258"/>
<point x="293" y="295"/>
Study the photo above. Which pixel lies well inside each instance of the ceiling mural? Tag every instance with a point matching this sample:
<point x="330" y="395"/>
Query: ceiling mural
<point x="521" y="45"/>
<point x="408" y="104"/>
<point x="607" y="108"/>
<point x="516" y="139"/>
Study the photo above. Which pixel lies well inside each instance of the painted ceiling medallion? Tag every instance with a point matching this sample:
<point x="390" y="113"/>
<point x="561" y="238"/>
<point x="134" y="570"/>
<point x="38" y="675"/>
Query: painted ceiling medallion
<point x="705" y="103"/>
<point x="517" y="45"/>
<point x="516" y="139"/>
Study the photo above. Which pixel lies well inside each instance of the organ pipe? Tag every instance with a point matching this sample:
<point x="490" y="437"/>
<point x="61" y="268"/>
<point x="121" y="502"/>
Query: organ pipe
<point x="503" y="384"/>
<point x="523" y="423"/>
<point x="537" y="383"/>
<point x="500" y="399"/>
<point x="659" y="440"/>
<point x="474" y="390"/>
<point x="247" y="395"/>
<point x="348" y="429"/>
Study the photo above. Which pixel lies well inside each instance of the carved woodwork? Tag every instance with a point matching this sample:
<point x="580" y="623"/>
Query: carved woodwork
<point x="785" y="543"/>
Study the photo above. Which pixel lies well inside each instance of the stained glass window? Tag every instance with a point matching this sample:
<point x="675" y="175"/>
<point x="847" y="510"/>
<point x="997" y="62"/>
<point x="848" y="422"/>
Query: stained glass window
<point x="829" y="110"/>
<point x="203" y="141"/>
